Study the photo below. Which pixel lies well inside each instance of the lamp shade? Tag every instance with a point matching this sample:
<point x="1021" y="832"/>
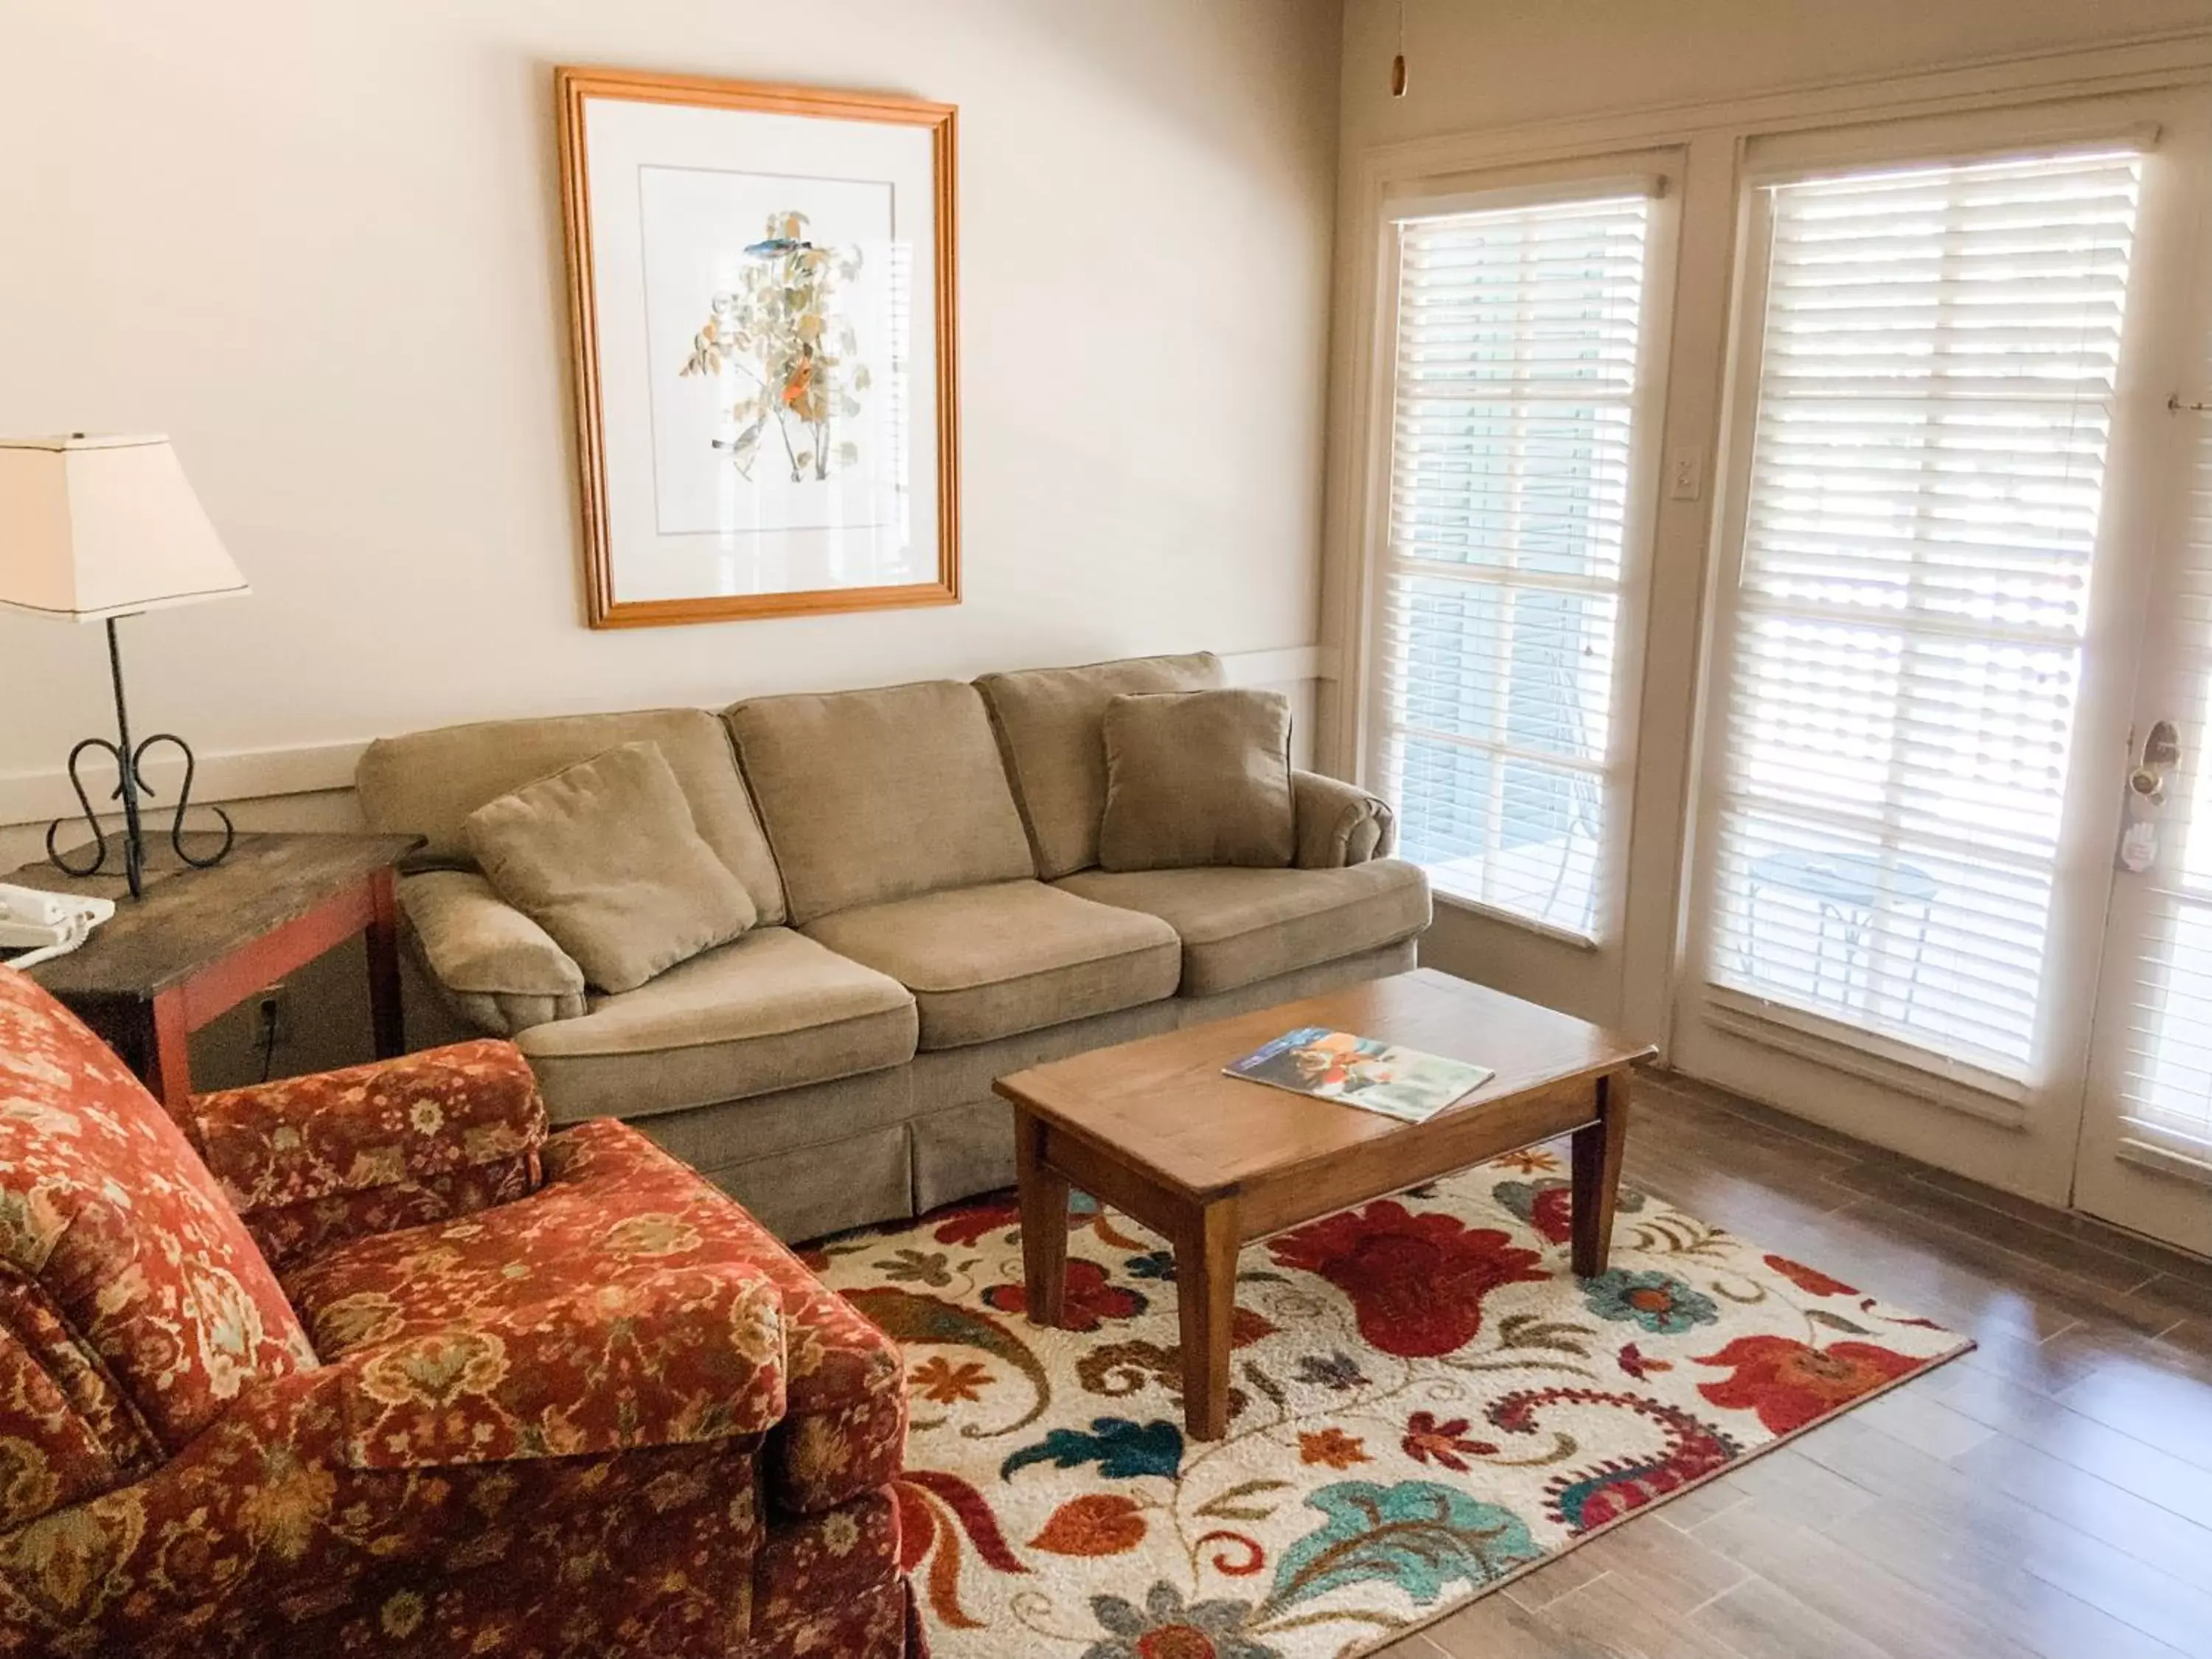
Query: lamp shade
<point x="93" y="527"/>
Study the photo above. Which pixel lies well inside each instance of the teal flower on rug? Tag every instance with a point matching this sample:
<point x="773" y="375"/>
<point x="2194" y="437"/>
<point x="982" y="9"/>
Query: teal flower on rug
<point x="1166" y="1629"/>
<point x="1416" y="1535"/>
<point x="1660" y="1303"/>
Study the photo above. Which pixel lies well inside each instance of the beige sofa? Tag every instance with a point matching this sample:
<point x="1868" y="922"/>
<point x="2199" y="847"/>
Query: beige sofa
<point x="924" y="861"/>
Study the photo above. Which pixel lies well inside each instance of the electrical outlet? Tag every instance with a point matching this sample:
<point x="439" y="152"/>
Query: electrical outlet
<point x="1686" y="479"/>
<point x="275" y="1006"/>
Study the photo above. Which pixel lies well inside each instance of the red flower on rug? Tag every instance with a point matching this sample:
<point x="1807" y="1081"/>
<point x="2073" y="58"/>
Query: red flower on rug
<point x="1446" y="1444"/>
<point x="1416" y="1281"/>
<point x="1091" y="1298"/>
<point x="1811" y="1280"/>
<point x="1790" y="1383"/>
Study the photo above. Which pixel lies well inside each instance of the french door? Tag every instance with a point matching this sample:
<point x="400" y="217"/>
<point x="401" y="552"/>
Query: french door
<point x="1940" y="894"/>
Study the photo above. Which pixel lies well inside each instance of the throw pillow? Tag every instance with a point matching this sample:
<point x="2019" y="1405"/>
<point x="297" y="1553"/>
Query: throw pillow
<point x="604" y="857"/>
<point x="1197" y="777"/>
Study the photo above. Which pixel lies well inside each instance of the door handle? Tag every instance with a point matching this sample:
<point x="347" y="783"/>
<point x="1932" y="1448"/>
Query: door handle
<point x="2161" y="753"/>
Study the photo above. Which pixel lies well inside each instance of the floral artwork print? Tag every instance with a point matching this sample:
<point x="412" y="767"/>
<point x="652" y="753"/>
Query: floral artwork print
<point x="780" y="335"/>
<point x="1425" y="1402"/>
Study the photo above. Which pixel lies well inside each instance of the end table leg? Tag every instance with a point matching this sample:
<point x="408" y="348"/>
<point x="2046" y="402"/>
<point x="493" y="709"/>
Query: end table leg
<point x="1044" y="1222"/>
<point x="1205" y="1294"/>
<point x="168" y="1071"/>
<point x="1597" y="1152"/>
<point x="386" y="1017"/>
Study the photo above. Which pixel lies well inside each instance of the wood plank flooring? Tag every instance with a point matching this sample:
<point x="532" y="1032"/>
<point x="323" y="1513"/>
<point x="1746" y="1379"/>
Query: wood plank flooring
<point x="2047" y="1497"/>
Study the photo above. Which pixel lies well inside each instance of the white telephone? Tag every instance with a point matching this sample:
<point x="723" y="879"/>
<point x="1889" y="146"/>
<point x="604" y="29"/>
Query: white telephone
<point x="48" y="924"/>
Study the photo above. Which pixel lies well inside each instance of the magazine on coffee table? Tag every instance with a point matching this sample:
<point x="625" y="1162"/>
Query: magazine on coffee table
<point x="1377" y="1077"/>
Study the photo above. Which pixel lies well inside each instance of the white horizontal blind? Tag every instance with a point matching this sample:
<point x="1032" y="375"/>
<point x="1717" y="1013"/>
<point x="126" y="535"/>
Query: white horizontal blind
<point x="2167" y="1084"/>
<point x="1514" y="401"/>
<point x="1935" y="402"/>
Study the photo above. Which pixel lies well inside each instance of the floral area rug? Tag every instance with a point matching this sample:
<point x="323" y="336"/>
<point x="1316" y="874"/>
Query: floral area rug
<point x="1426" y="1403"/>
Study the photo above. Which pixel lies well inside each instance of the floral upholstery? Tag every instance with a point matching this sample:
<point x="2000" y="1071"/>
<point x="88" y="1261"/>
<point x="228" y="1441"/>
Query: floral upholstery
<point x="540" y="1422"/>
<point x="613" y="1198"/>
<point x="313" y="1160"/>
<point x="121" y="1232"/>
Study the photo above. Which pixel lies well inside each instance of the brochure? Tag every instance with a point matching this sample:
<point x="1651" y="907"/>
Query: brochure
<point x="1377" y="1077"/>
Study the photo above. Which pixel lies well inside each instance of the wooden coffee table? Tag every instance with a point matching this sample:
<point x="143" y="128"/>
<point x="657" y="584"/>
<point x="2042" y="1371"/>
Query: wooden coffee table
<point x="1210" y="1163"/>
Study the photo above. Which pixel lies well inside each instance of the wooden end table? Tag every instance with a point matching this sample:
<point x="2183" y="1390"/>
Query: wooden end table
<point x="200" y="942"/>
<point x="1211" y="1163"/>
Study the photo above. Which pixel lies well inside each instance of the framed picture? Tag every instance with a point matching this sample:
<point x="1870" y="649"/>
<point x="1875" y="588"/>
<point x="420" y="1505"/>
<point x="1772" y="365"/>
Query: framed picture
<point x="761" y="293"/>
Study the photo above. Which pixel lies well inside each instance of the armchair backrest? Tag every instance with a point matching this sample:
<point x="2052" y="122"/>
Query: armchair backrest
<point x="133" y="1305"/>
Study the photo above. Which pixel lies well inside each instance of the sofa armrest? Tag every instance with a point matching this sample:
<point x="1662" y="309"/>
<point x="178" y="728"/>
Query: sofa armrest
<point x="1339" y="823"/>
<point x="500" y="969"/>
<point x="392" y="1143"/>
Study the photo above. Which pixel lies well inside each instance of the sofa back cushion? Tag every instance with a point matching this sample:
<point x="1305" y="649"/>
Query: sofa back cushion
<point x="870" y="796"/>
<point x="106" y="1209"/>
<point x="428" y="782"/>
<point x="1050" y="724"/>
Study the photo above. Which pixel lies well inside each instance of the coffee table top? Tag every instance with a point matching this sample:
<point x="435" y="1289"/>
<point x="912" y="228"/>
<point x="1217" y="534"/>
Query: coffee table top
<point x="1161" y="1105"/>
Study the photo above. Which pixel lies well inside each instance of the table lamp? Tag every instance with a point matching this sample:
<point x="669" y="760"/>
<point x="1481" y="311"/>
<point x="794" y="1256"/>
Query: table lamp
<point x="96" y="529"/>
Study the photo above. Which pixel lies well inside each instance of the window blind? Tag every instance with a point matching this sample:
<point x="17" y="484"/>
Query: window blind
<point x="1934" y="407"/>
<point x="2167" y="1080"/>
<point x="1513" y="410"/>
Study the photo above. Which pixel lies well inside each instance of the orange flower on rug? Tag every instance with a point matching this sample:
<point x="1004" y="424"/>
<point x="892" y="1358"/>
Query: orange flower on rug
<point x="1425" y="1402"/>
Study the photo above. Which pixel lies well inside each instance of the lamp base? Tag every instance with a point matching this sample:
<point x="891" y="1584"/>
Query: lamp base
<point x="130" y="786"/>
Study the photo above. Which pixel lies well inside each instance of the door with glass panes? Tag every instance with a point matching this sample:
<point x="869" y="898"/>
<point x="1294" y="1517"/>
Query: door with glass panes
<point x="1954" y="532"/>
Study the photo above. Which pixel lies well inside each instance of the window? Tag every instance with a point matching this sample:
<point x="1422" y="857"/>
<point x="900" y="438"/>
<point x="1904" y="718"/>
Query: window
<point x="1515" y="393"/>
<point x="1935" y="396"/>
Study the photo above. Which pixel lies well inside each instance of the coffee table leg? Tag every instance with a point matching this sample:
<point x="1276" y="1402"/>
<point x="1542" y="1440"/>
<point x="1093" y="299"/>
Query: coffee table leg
<point x="1206" y="1293"/>
<point x="1044" y="1222"/>
<point x="1597" y="1176"/>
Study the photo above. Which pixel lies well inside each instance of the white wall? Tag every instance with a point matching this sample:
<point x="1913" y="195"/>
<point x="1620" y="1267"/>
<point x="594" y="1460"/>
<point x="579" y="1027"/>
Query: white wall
<point x="319" y="245"/>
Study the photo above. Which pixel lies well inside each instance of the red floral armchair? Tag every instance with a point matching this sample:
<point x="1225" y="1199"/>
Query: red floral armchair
<point x="367" y="1363"/>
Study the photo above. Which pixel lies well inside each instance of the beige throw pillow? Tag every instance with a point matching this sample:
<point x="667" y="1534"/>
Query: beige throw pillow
<point x="1197" y="777"/>
<point x="604" y="857"/>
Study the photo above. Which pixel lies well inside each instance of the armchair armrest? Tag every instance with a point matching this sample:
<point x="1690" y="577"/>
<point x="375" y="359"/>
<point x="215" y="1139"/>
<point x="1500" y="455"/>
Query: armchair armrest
<point x="500" y="970"/>
<point x="309" y="1160"/>
<point x="682" y="1356"/>
<point x="624" y="1418"/>
<point x="1337" y="823"/>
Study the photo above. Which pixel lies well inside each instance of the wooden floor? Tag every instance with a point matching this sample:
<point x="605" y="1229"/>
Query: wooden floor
<point x="2049" y="1494"/>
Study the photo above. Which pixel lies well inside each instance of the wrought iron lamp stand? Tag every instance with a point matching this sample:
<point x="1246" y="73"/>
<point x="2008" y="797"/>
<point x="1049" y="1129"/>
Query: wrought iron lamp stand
<point x="130" y="786"/>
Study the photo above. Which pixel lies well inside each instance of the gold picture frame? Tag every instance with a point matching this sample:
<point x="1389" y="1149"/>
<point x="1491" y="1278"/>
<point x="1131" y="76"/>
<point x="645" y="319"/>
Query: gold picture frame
<point x="635" y="571"/>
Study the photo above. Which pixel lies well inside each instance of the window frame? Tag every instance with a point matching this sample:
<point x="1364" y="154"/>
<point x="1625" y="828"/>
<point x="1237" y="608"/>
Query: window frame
<point x="1656" y="174"/>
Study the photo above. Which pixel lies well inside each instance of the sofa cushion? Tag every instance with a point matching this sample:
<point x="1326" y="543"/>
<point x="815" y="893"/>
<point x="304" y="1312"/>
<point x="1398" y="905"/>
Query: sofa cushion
<point x="987" y="961"/>
<point x="1047" y="722"/>
<point x="871" y="796"/>
<point x="106" y="1208"/>
<point x="1198" y="777"/>
<point x="604" y="857"/>
<point x="428" y="782"/>
<point x="1240" y="926"/>
<point x="770" y="1011"/>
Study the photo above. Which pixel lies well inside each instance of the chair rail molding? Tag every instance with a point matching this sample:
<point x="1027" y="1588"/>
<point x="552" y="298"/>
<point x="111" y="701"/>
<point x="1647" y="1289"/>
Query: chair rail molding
<point x="41" y="795"/>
